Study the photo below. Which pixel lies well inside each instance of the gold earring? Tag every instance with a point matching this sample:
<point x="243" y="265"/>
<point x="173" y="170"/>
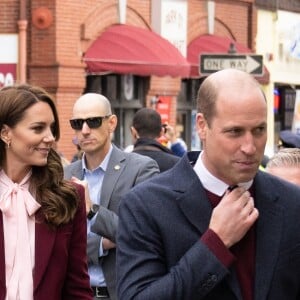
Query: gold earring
<point x="8" y="144"/>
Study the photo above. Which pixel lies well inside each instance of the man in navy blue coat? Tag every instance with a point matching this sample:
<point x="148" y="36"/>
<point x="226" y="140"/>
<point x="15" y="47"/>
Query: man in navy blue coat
<point x="146" y="129"/>
<point x="214" y="226"/>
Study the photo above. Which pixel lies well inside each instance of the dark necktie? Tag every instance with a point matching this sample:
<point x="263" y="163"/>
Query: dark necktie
<point x="215" y="199"/>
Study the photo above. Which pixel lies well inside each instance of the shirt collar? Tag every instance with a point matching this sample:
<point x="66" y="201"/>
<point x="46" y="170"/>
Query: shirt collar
<point x="212" y="183"/>
<point x="103" y="164"/>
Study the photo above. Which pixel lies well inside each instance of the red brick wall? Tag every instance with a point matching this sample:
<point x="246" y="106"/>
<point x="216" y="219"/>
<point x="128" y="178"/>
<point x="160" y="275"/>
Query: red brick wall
<point x="54" y="53"/>
<point x="231" y="19"/>
<point x="9" y="14"/>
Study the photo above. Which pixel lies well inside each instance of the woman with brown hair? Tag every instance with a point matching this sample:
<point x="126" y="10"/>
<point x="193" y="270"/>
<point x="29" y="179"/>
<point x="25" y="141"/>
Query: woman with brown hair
<point x="42" y="216"/>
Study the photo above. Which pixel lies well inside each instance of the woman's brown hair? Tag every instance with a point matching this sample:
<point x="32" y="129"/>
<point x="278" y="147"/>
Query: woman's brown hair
<point x="58" y="198"/>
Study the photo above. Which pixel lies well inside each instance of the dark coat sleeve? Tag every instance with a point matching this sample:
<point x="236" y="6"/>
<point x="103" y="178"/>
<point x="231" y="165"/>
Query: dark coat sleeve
<point x="144" y="267"/>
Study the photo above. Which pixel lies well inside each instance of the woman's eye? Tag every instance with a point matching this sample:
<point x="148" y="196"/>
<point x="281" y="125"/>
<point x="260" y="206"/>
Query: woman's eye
<point x="38" y="128"/>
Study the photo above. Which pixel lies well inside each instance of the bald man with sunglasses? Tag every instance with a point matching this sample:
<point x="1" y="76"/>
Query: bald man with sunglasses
<point x="107" y="173"/>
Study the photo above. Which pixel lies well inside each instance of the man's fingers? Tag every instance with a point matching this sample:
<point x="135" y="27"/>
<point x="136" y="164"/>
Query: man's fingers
<point x="235" y="194"/>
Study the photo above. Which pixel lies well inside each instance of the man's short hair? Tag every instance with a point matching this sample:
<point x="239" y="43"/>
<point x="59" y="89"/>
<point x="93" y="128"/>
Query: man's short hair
<point x="213" y="85"/>
<point x="147" y="123"/>
<point x="285" y="157"/>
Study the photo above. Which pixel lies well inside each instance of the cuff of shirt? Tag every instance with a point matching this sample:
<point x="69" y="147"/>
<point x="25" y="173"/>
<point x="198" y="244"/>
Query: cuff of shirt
<point x="215" y="245"/>
<point x="102" y="252"/>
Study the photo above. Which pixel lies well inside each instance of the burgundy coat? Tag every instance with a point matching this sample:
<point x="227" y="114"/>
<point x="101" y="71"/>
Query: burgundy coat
<point x="60" y="270"/>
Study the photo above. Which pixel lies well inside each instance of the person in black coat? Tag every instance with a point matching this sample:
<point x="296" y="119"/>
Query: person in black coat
<point x="146" y="128"/>
<point x="214" y="227"/>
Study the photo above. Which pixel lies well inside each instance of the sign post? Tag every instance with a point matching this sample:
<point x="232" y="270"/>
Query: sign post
<point x="250" y="63"/>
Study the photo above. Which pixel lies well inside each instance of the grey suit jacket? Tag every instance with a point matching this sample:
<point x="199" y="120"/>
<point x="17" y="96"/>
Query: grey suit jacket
<point x="124" y="171"/>
<point x="160" y="254"/>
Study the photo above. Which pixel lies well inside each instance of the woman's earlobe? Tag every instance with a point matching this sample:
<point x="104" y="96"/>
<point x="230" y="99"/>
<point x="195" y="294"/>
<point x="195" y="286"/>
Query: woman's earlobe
<point x="4" y="135"/>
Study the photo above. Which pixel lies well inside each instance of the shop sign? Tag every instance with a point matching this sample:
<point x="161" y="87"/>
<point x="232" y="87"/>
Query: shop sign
<point x="170" y="21"/>
<point x="8" y="59"/>
<point x="163" y="108"/>
<point x="7" y="74"/>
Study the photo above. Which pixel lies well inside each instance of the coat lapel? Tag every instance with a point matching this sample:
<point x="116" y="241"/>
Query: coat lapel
<point x="77" y="170"/>
<point x="114" y="170"/>
<point x="195" y="205"/>
<point x="191" y="198"/>
<point x="44" y="241"/>
<point x="268" y="235"/>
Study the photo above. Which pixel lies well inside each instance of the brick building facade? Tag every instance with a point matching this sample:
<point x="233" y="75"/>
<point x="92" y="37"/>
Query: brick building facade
<point x="58" y="34"/>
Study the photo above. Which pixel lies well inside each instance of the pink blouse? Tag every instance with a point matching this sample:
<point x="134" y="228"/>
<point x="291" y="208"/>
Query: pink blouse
<point x="18" y="207"/>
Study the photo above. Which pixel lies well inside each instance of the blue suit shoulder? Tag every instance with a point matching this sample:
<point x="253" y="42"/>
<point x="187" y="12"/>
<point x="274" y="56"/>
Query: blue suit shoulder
<point x="285" y="192"/>
<point x="178" y="178"/>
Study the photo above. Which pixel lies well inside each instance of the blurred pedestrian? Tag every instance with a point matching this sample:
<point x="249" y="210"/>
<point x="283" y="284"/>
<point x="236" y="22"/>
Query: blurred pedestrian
<point x="108" y="173"/>
<point x="285" y="164"/>
<point x="43" y="224"/>
<point x="175" y="143"/>
<point x="146" y="129"/>
<point x="214" y="226"/>
<point x="289" y="139"/>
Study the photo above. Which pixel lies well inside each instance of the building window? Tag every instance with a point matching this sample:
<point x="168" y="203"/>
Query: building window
<point x="127" y="94"/>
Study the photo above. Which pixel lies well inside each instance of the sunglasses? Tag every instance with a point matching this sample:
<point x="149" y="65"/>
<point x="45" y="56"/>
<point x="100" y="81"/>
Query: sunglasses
<point x="94" y="122"/>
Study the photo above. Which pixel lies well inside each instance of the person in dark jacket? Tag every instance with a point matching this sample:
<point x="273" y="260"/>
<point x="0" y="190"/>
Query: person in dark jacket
<point x="214" y="227"/>
<point x="146" y="129"/>
<point x="289" y="139"/>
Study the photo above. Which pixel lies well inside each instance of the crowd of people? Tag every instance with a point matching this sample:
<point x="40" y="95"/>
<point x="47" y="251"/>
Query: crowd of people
<point x="155" y="222"/>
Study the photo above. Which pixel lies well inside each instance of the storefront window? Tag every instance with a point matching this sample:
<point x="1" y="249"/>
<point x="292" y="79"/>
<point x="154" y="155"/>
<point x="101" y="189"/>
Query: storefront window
<point x="127" y="94"/>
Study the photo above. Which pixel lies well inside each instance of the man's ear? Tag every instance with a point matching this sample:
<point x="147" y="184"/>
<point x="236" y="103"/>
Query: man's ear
<point x="201" y="125"/>
<point x="113" y="122"/>
<point x="162" y="131"/>
<point x="134" y="132"/>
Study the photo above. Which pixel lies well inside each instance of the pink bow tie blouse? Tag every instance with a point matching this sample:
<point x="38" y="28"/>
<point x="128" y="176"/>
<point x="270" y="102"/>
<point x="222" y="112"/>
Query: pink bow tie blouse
<point x="18" y="207"/>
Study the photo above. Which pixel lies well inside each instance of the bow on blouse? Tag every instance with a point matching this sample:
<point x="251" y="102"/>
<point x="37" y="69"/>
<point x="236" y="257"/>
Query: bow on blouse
<point x="18" y="207"/>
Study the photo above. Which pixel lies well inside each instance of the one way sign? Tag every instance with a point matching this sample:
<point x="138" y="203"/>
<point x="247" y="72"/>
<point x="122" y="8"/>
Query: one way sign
<point x="250" y="63"/>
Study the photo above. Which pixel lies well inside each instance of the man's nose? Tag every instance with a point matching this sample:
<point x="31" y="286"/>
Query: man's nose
<point x="85" y="128"/>
<point x="248" y="144"/>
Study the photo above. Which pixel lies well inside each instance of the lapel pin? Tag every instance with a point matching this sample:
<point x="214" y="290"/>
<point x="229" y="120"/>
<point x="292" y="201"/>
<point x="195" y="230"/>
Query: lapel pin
<point x="117" y="167"/>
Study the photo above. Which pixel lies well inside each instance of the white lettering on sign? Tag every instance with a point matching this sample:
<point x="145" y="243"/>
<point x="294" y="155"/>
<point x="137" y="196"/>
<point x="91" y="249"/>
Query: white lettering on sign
<point x="174" y="17"/>
<point x="6" y="79"/>
<point x="214" y="64"/>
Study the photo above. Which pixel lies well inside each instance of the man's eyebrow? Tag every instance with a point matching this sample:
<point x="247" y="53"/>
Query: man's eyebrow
<point x="230" y="127"/>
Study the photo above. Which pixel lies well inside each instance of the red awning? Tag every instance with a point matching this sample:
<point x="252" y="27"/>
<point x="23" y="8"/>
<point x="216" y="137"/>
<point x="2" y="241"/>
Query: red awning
<point x="206" y="44"/>
<point x="126" y="49"/>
